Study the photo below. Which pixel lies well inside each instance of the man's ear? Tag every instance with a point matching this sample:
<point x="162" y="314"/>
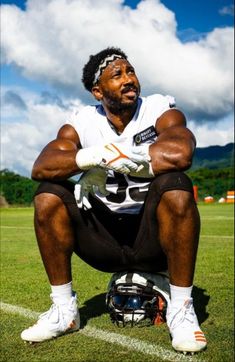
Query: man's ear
<point x="97" y="93"/>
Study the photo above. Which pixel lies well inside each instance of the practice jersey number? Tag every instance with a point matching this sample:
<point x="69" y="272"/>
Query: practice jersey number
<point x="120" y="196"/>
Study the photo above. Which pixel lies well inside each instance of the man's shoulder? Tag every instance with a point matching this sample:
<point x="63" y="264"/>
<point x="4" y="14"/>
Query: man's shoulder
<point x="154" y="105"/>
<point x="158" y="98"/>
<point x="90" y="109"/>
<point x="87" y="112"/>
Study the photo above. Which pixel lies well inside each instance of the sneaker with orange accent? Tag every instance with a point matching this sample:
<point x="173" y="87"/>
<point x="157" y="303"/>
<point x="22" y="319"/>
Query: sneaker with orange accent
<point x="184" y="328"/>
<point x="56" y="321"/>
<point x="161" y="314"/>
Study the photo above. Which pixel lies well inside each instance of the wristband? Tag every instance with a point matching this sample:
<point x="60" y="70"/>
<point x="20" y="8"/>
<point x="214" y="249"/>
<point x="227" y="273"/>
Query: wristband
<point x="87" y="158"/>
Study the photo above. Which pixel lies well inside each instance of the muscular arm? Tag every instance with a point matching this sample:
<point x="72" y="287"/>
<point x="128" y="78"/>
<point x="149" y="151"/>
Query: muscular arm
<point x="174" y="147"/>
<point x="57" y="160"/>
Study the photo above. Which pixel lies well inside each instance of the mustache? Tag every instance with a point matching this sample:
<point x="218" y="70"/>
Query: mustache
<point x="128" y="88"/>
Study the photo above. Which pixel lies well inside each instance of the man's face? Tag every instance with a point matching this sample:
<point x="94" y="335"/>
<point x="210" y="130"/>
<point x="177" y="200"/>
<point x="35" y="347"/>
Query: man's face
<point x="119" y="86"/>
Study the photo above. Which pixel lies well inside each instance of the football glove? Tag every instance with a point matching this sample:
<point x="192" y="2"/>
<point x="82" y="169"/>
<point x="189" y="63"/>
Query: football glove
<point x="145" y="170"/>
<point x="112" y="157"/>
<point x="91" y="181"/>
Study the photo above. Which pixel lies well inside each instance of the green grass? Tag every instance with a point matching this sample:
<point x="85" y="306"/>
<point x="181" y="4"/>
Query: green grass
<point x="24" y="283"/>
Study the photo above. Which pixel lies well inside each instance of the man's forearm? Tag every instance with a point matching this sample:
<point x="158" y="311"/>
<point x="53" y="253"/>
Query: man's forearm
<point x="174" y="153"/>
<point x="55" y="165"/>
<point x="56" y="161"/>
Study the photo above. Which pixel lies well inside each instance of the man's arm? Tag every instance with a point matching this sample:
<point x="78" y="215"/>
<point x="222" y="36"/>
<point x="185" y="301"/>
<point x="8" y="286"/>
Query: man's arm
<point x="57" y="160"/>
<point x="174" y="147"/>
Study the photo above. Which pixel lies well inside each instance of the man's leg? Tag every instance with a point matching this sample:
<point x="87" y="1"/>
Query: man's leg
<point x="55" y="238"/>
<point x="179" y="227"/>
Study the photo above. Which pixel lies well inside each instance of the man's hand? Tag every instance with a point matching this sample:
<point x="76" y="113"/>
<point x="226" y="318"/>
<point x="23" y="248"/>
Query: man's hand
<point x="112" y="157"/>
<point x="90" y="182"/>
<point x="142" y="152"/>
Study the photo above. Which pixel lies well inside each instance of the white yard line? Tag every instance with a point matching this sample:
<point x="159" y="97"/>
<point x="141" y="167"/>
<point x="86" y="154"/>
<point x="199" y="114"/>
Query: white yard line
<point x="133" y="344"/>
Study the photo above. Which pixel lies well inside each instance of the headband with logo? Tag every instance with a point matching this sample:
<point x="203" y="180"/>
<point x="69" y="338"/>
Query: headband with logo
<point x="104" y="63"/>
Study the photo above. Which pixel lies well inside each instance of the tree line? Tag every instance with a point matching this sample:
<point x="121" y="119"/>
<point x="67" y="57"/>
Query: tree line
<point x="16" y="189"/>
<point x="212" y="182"/>
<point x="19" y="190"/>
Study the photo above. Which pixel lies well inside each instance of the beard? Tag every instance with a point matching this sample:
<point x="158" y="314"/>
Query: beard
<point x="117" y="106"/>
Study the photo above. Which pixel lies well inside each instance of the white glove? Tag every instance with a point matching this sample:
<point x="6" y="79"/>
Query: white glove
<point x="110" y="156"/>
<point x="90" y="182"/>
<point x="146" y="168"/>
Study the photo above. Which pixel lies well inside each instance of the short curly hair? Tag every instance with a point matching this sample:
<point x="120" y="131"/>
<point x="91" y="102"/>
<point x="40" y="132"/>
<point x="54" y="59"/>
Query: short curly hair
<point x="92" y="65"/>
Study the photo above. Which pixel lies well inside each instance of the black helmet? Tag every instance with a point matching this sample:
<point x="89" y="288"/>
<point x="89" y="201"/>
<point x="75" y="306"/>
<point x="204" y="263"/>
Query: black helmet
<point x="134" y="297"/>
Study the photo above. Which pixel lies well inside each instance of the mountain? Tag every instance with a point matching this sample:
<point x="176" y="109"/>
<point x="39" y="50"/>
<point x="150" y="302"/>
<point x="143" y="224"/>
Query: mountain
<point x="213" y="157"/>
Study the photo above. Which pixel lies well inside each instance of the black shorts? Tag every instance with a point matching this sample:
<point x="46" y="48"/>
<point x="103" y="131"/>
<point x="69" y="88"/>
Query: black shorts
<point x="113" y="242"/>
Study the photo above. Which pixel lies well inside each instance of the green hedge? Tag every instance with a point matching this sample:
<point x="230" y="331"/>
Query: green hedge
<point x="214" y="182"/>
<point x="16" y="189"/>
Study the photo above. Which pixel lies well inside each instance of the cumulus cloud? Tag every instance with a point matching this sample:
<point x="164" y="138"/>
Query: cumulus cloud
<point x="14" y="99"/>
<point x="213" y="133"/>
<point x="52" y="39"/>
<point x="198" y="73"/>
<point x="23" y="135"/>
<point x="51" y="98"/>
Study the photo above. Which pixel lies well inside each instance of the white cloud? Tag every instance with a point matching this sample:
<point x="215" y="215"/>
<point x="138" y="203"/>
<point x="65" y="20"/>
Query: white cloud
<point x="213" y="133"/>
<point x="52" y="40"/>
<point x="24" y="134"/>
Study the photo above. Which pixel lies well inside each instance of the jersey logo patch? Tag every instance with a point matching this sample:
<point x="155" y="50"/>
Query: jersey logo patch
<point x="145" y="135"/>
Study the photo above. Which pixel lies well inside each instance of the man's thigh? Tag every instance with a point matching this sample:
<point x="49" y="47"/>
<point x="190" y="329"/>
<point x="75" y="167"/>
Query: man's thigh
<point x="100" y="235"/>
<point x="113" y="242"/>
<point x="148" y="253"/>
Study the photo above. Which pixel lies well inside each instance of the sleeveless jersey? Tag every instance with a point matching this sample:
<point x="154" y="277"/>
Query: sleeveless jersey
<point x="127" y="193"/>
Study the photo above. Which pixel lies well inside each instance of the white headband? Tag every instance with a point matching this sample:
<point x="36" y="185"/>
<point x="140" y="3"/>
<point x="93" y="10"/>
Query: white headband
<point x="104" y="63"/>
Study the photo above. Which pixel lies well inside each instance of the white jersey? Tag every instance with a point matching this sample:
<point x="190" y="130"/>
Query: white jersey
<point x="126" y="193"/>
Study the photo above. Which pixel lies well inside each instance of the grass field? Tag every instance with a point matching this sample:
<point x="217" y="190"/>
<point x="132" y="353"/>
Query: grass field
<point x="24" y="285"/>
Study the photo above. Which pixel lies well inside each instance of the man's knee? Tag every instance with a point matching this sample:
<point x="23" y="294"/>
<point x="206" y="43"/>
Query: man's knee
<point x="175" y="192"/>
<point x="46" y="205"/>
<point x="178" y="202"/>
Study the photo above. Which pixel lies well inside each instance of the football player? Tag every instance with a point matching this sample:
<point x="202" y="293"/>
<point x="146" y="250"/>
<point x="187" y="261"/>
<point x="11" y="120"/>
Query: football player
<point x="132" y="208"/>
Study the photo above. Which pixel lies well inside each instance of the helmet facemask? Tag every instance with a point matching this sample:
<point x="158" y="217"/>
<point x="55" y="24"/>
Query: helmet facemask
<point x="130" y="304"/>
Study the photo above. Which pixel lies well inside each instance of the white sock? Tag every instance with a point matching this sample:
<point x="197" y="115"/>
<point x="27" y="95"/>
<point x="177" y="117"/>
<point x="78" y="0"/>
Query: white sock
<point x="61" y="294"/>
<point x="179" y="295"/>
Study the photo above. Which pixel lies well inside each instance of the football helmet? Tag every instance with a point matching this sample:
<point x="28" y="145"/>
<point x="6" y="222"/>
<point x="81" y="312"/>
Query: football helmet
<point x="136" y="297"/>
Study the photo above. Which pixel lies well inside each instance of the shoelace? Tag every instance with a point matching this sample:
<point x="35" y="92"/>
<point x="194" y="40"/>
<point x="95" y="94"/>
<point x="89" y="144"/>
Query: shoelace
<point x="183" y="314"/>
<point x="48" y="314"/>
<point x="55" y="308"/>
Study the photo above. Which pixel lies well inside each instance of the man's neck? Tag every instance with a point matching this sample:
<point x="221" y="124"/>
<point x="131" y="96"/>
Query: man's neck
<point x="120" y="121"/>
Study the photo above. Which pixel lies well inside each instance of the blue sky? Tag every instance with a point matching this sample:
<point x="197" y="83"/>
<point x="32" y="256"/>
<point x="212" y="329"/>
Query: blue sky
<point x="200" y="15"/>
<point x="189" y="44"/>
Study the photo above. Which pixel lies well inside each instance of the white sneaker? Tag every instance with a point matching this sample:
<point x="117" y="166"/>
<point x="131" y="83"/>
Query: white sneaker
<point x="55" y="322"/>
<point x="184" y="328"/>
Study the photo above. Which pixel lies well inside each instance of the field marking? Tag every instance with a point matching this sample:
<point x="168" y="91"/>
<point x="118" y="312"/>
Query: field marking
<point x="111" y="337"/>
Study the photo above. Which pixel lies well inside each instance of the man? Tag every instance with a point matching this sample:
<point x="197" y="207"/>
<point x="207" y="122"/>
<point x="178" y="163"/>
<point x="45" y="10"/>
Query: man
<point x="133" y="207"/>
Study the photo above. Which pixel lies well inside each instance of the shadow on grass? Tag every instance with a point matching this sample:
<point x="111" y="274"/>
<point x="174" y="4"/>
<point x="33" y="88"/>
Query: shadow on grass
<point x="200" y="301"/>
<point x="93" y="307"/>
<point x="96" y="306"/>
